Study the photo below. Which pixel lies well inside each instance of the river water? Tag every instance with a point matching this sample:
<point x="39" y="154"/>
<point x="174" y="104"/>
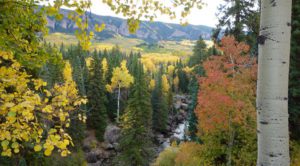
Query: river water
<point x="179" y="133"/>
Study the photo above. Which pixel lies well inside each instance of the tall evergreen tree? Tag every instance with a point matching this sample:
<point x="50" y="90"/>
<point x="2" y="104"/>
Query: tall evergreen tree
<point x="77" y="56"/>
<point x="51" y="71"/>
<point x="199" y="53"/>
<point x="133" y="62"/>
<point x="193" y="92"/>
<point x="97" y="115"/>
<point x="239" y="18"/>
<point x="136" y="123"/>
<point x="294" y="86"/>
<point x="159" y="104"/>
<point x="235" y="16"/>
<point x="183" y="81"/>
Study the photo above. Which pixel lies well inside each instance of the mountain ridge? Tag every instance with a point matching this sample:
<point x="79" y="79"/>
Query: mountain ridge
<point x="148" y="31"/>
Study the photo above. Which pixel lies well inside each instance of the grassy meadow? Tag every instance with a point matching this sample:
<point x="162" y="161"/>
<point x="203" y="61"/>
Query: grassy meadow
<point x="162" y="51"/>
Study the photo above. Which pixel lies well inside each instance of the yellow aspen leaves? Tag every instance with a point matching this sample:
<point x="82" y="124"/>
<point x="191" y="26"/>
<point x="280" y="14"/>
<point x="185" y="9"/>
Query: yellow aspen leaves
<point x="24" y="109"/>
<point x="121" y="77"/>
<point x="67" y="125"/>
<point x="148" y="64"/>
<point x="38" y="83"/>
<point x="64" y="153"/>
<point x="48" y="152"/>
<point x="133" y="25"/>
<point x="48" y="93"/>
<point x="37" y="148"/>
<point x="165" y="84"/>
<point x="82" y="118"/>
<point x="152" y="60"/>
<point x="104" y="67"/>
<point x="4" y="144"/>
<point x="88" y="62"/>
<point x="171" y="70"/>
<point x="176" y="82"/>
<point x="99" y="28"/>
<point x="67" y="73"/>
<point x="17" y="150"/>
<point x="152" y="84"/>
<point x="6" y="152"/>
<point x="188" y="70"/>
<point x="108" y="88"/>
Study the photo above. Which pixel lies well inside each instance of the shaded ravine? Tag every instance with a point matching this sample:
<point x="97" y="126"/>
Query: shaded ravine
<point x="103" y="153"/>
<point x="177" y="124"/>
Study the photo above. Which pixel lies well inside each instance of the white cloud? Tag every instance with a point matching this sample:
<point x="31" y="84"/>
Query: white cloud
<point x="205" y="16"/>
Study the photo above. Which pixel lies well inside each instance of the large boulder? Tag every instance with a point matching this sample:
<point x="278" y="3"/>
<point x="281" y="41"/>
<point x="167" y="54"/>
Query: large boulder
<point x="184" y="100"/>
<point x="91" y="157"/>
<point x="184" y="106"/>
<point x="179" y="118"/>
<point x="102" y="154"/>
<point x="116" y="147"/>
<point x="90" y="142"/>
<point x="86" y="147"/>
<point x="168" y="128"/>
<point x="179" y="97"/>
<point x="177" y="105"/>
<point x="112" y="134"/>
<point x="107" y="146"/>
<point x="98" y="163"/>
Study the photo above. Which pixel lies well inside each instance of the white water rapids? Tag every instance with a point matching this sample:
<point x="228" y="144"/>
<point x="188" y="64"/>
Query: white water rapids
<point x="179" y="133"/>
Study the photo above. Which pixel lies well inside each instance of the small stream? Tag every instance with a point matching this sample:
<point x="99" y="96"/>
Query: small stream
<point x="178" y="133"/>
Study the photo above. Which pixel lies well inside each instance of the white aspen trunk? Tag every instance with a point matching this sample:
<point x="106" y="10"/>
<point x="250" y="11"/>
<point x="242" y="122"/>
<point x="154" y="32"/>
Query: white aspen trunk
<point x="118" y="110"/>
<point x="272" y="85"/>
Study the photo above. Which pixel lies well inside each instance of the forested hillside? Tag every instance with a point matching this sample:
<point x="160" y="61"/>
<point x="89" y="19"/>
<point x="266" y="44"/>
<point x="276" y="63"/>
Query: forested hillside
<point x="148" y="31"/>
<point x="113" y="92"/>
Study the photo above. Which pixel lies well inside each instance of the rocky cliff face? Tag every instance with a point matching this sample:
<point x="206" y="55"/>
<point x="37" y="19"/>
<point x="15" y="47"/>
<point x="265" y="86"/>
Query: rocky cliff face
<point x="148" y="31"/>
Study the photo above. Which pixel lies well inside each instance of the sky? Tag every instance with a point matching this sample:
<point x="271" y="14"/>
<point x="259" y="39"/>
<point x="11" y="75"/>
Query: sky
<point x="204" y="16"/>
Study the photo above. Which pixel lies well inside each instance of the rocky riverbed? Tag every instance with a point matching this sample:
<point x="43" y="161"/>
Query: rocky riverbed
<point x="103" y="153"/>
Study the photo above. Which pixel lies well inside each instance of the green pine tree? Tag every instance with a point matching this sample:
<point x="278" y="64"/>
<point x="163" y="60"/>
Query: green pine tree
<point x="51" y="71"/>
<point x="199" y="53"/>
<point x="193" y="92"/>
<point x="183" y="81"/>
<point x="294" y="86"/>
<point x="160" y="105"/>
<point x="97" y="115"/>
<point x="136" y="123"/>
<point x="239" y="18"/>
<point x="235" y="16"/>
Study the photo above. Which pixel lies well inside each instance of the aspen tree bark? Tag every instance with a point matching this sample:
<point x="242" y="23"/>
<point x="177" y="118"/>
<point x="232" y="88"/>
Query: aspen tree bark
<point x="118" y="110"/>
<point x="272" y="85"/>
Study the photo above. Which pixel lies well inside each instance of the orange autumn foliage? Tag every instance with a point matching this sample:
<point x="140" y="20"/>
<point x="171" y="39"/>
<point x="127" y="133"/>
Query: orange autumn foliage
<point x="227" y="92"/>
